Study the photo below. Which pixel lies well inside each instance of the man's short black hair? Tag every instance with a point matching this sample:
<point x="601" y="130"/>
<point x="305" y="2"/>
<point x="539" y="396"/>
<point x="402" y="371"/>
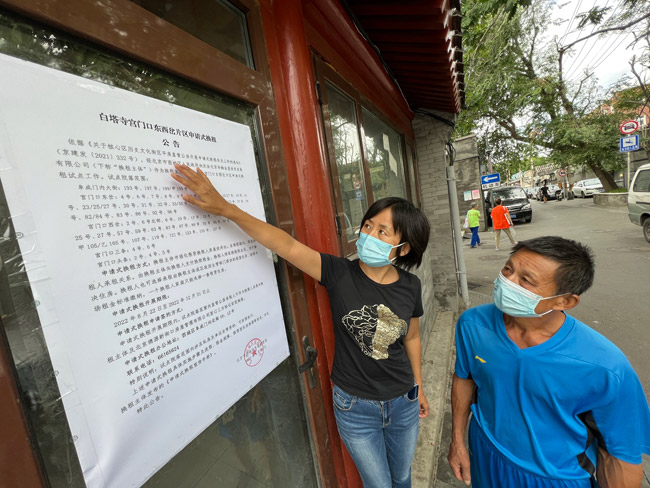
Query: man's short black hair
<point x="410" y="222"/>
<point x="576" y="271"/>
<point x="498" y="201"/>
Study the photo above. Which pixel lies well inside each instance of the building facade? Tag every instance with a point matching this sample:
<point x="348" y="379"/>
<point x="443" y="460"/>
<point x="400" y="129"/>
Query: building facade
<point x="345" y="103"/>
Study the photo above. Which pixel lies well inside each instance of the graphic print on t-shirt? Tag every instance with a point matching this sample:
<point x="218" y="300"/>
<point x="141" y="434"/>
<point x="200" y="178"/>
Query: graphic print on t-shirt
<point x="375" y="328"/>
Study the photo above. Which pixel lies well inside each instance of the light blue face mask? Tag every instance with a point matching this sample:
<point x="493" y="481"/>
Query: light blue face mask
<point x="515" y="300"/>
<point x="374" y="252"/>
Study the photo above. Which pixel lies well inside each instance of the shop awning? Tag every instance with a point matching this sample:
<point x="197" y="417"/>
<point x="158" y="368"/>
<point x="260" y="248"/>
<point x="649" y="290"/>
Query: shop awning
<point x="420" y="44"/>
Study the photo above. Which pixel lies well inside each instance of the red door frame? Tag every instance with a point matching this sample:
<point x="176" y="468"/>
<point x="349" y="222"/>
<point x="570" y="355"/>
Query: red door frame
<point x="292" y="28"/>
<point x="294" y="89"/>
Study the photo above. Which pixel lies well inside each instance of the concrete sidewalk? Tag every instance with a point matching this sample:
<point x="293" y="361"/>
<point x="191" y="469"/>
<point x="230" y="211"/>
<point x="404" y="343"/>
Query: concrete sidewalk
<point x="436" y="364"/>
<point x="442" y="476"/>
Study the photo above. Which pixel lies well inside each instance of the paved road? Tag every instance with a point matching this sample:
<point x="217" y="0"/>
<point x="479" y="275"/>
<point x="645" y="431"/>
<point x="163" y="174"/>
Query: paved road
<point x="618" y="304"/>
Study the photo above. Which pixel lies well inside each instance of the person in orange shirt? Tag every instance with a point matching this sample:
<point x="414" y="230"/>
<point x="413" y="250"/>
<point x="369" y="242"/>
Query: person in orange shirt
<point x="501" y="221"/>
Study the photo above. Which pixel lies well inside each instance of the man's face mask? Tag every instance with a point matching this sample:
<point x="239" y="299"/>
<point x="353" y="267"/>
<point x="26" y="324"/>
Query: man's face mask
<point x="515" y="300"/>
<point x="374" y="252"/>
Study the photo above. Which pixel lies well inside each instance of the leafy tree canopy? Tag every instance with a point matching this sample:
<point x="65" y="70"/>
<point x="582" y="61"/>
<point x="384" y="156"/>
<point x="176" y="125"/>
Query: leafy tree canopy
<point x="518" y="99"/>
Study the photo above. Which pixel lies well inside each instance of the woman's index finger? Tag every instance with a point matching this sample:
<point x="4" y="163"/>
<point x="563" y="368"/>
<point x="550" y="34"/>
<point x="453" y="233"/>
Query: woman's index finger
<point x="186" y="171"/>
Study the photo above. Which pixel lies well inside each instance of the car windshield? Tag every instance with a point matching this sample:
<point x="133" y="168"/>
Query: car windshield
<point x="593" y="181"/>
<point x="510" y="193"/>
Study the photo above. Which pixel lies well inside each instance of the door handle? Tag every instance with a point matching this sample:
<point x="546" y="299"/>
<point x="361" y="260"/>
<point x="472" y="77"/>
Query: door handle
<point x="311" y="353"/>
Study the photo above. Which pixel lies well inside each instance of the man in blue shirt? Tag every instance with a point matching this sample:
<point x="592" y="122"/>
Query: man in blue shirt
<point x="553" y="402"/>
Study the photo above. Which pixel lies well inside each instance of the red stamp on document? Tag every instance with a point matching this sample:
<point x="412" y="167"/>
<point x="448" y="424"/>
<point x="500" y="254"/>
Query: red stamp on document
<point x="253" y="352"/>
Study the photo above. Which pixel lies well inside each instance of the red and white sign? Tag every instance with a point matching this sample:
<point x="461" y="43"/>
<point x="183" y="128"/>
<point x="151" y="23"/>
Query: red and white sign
<point x="629" y="127"/>
<point x="561" y="172"/>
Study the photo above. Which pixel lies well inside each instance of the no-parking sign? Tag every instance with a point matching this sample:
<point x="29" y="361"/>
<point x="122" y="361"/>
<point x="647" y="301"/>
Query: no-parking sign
<point x="629" y="127"/>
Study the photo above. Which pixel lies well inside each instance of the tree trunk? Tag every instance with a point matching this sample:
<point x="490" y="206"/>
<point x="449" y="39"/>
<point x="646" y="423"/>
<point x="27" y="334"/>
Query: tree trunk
<point x="605" y="178"/>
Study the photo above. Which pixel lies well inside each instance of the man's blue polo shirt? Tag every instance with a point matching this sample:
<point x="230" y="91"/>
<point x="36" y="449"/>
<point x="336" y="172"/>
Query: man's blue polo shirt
<point x="542" y="406"/>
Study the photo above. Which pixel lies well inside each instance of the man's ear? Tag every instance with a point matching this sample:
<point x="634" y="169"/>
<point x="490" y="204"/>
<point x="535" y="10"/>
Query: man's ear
<point x="566" y="302"/>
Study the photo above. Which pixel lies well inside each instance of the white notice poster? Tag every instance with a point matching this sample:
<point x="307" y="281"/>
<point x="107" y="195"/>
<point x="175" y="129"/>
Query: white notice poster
<point x="157" y="316"/>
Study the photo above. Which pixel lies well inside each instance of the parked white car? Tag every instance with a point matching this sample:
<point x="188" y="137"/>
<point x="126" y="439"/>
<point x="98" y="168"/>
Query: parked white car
<point x="638" y="200"/>
<point x="587" y="188"/>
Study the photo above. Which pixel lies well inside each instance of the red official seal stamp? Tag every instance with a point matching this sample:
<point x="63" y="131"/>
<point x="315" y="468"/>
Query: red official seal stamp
<point x="253" y="352"/>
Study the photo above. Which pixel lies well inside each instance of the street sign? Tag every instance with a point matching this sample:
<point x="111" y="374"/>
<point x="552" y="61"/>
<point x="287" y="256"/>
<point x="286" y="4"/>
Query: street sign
<point x="629" y="127"/>
<point x="562" y="172"/>
<point x="490" y="181"/>
<point x="629" y="143"/>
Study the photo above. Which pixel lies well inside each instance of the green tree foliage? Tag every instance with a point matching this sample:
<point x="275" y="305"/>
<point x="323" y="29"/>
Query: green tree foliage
<point x="518" y="99"/>
<point x="634" y="18"/>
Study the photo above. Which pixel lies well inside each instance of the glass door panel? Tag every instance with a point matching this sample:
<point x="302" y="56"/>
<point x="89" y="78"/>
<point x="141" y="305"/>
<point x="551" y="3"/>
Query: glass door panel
<point x="383" y="150"/>
<point x="217" y="22"/>
<point x="258" y="443"/>
<point x="349" y="165"/>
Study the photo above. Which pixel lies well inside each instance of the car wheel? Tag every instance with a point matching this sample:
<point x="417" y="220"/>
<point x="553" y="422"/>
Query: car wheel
<point x="646" y="229"/>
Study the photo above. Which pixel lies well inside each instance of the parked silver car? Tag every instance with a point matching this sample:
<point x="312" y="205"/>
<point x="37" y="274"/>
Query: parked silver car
<point x="587" y="188"/>
<point x="638" y="200"/>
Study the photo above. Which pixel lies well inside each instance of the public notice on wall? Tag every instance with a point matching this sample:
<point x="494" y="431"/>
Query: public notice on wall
<point x="157" y="316"/>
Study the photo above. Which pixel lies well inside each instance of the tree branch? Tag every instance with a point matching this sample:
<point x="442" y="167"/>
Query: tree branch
<point x="580" y="88"/>
<point x="643" y="86"/>
<point x="489" y="28"/>
<point x="509" y="127"/>
<point x="602" y="31"/>
<point x="525" y="60"/>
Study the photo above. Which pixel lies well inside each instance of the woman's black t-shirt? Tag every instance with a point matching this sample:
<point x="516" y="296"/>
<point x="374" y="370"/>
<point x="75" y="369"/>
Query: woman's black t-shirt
<point x="370" y="323"/>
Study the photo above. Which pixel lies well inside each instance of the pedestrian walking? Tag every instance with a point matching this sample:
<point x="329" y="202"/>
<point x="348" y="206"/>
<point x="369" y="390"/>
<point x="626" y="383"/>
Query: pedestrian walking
<point x="501" y="221"/>
<point x="545" y="192"/>
<point x="375" y="305"/>
<point x="473" y="219"/>
<point x="553" y="403"/>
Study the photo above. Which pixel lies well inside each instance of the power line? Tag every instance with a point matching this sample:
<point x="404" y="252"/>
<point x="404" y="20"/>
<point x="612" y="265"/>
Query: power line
<point x="570" y="21"/>
<point x="584" y="43"/>
<point x="579" y="62"/>
<point x="609" y="49"/>
<point x="594" y="41"/>
<point x="604" y="53"/>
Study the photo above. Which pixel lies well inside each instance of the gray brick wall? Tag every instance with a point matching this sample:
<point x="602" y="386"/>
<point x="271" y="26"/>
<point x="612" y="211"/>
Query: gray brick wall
<point x="438" y="270"/>
<point x="468" y="176"/>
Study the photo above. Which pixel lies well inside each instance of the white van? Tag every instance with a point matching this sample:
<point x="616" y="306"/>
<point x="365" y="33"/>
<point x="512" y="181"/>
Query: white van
<point x="638" y="200"/>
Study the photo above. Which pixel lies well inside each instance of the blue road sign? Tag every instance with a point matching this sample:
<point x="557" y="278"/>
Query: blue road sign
<point x="629" y="143"/>
<point x="490" y="181"/>
<point x="493" y="178"/>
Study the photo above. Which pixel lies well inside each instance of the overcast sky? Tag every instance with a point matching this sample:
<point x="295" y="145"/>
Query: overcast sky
<point x="609" y="55"/>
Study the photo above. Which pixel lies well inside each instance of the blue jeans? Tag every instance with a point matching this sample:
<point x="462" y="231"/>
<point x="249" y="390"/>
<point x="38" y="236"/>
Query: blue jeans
<point x="381" y="437"/>
<point x="475" y="238"/>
